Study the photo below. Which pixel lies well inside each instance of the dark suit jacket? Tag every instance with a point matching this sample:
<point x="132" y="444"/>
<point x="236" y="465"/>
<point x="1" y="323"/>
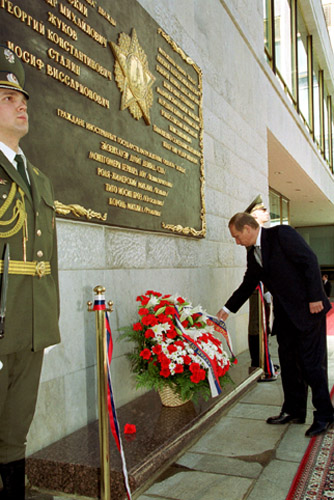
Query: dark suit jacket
<point x="290" y="272"/>
<point x="32" y="302"/>
<point x="328" y="288"/>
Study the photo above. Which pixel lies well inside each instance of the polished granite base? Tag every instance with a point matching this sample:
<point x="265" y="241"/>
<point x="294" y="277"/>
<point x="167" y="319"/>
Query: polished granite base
<point x="72" y="464"/>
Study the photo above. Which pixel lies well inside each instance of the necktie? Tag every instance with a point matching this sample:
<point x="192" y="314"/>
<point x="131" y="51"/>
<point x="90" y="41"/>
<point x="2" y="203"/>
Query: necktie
<point x="22" y="170"/>
<point x="258" y="255"/>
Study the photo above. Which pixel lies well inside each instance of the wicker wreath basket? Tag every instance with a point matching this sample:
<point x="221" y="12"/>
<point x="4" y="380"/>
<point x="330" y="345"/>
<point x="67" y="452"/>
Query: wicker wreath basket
<point x="170" y="398"/>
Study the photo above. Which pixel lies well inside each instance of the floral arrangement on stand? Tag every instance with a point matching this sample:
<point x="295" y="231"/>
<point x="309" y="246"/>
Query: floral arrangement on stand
<point x="163" y="357"/>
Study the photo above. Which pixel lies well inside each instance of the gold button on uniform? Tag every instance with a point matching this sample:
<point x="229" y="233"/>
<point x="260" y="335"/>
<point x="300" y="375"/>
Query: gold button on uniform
<point x="39" y="253"/>
<point x="39" y="232"/>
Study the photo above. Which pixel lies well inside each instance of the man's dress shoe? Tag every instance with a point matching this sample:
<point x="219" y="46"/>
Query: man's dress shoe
<point x="285" y="418"/>
<point x="319" y="427"/>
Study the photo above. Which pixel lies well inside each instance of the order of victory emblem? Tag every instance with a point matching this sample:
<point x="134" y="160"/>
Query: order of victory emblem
<point x="133" y="76"/>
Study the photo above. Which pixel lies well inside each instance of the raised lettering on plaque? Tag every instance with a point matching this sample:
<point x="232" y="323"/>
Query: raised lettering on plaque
<point x="115" y="113"/>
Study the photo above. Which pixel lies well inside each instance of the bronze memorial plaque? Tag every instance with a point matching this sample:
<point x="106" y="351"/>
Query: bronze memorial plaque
<point x="115" y="113"/>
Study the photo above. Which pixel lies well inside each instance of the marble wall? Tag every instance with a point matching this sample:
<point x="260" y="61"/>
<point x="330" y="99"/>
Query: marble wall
<point x="225" y="39"/>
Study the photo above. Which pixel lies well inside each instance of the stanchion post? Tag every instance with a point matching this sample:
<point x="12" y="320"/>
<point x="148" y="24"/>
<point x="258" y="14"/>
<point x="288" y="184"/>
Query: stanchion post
<point x="102" y="385"/>
<point x="261" y="332"/>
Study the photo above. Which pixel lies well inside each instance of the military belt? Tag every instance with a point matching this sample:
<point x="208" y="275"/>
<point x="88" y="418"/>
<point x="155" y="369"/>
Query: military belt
<point x="32" y="268"/>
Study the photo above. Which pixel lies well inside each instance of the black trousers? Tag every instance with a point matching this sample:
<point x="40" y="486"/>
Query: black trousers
<point x="303" y="360"/>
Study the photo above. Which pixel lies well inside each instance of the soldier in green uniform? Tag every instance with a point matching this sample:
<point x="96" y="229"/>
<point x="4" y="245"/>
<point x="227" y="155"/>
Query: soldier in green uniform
<point x="27" y="224"/>
<point x="262" y="216"/>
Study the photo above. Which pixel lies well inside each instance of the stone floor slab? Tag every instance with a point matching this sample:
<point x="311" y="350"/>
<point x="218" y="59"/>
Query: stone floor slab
<point x="249" y="410"/>
<point x="220" y="465"/>
<point x="145" y="497"/>
<point x="200" y="486"/>
<point x="275" y="481"/>
<point x="267" y="393"/>
<point x="293" y="444"/>
<point x="235" y="437"/>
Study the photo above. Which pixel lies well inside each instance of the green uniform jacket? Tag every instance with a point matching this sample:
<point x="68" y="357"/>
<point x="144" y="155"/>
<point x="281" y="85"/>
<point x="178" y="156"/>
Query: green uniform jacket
<point x="32" y="308"/>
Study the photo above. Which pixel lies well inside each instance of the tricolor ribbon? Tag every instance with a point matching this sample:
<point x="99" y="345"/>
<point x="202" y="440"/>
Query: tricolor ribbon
<point x="220" y="327"/>
<point x="100" y="305"/>
<point x="268" y="369"/>
<point x="209" y="363"/>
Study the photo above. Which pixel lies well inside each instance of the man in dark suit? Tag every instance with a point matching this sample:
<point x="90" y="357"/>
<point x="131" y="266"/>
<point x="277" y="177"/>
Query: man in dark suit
<point x="282" y="260"/>
<point x="261" y="214"/>
<point x="27" y="225"/>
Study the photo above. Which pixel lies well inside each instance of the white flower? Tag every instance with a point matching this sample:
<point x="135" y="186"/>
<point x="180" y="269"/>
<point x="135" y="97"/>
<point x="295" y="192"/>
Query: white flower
<point x="160" y="329"/>
<point x="154" y="301"/>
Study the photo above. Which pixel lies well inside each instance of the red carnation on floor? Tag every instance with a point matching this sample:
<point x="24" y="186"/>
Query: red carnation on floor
<point x="129" y="429"/>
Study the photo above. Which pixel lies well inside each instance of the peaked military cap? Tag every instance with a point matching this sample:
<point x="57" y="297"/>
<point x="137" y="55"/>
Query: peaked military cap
<point x="11" y="71"/>
<point x="256" y="204"/>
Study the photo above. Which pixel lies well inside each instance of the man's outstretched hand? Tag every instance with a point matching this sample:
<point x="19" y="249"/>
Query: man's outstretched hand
<point x="222" y="315"/>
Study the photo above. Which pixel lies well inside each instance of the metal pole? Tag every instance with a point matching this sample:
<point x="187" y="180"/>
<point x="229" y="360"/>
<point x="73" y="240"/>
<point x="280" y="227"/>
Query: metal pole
<point x="102" y="384"/>
<point x="261" y="339"/>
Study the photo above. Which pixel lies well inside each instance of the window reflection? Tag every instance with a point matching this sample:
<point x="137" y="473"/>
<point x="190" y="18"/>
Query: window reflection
<point x="279" y="208"/>
<point x="316" y="102"/>
<point x="283" y="45"/>
<point x="295" y="63"/>
<point x="303" y="86"/>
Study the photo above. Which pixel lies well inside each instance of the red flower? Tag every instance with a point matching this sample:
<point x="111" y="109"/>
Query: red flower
<point x="171" y="348"/>
<point x="171" y="334"/>
<point x="164" y="361"/>
<point x="197" y="376"/>
<point x="137" y="327"/>
<point x="170" y="310"/>
<point x="157" y="349"/>
<point x="179" y="369"/>
<point x="222" y="370"/>
<point x="149" y="320"/>
<point x="194" y="367"/>
<point x="215" y="341"/>
<point x="145" y="354"/>
<point x="149" y="333"/>
<point x="180" y="300"/>
<point x="185" y="323"/>
<point x="142" y="311"/>
<point x="162" y="318"/>
<point x="129" y="429"/>
<point x="151" y="292"/>
<point x="187" y="359"/>
<point x="179" y="343"/>
<point x="165" y="372"/>
<point x="144" y="300"/>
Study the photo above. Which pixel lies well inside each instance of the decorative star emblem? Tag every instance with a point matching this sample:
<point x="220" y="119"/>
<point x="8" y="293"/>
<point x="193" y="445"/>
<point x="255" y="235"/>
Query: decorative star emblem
<point x="133" y="76"/>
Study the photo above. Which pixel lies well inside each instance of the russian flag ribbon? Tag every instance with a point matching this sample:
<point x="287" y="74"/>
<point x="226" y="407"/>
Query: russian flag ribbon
<point x="100" y="305"/>
<point x="220" y="327"/>
<point x="212" y="371"/>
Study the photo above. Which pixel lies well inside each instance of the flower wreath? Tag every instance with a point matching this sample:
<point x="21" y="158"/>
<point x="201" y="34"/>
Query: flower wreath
<point x="162" y="355"/>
